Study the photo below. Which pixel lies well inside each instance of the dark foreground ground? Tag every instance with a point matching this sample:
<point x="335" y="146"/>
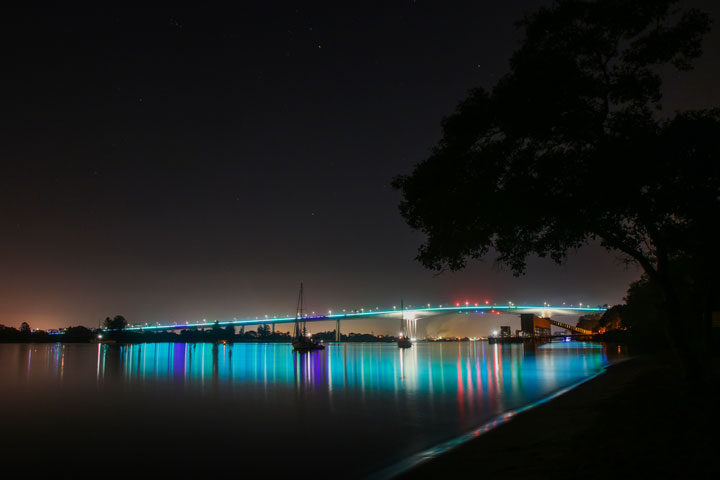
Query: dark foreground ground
<point x="640" y="419"/>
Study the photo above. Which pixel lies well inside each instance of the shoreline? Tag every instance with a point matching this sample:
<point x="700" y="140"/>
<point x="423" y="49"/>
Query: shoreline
<point x="595" y="428"/>
<point x="437" y="451"/>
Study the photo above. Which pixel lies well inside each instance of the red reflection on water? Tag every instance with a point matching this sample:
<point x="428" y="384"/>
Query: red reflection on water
<point x="461" y="388"/>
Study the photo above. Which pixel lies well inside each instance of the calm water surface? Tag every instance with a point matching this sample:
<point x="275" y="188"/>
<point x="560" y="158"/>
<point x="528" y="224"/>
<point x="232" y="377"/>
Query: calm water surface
<point x="347" y="411"/>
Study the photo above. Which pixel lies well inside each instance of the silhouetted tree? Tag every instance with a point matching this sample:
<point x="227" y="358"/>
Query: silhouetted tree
<point x="77" y="334"/>
<point x="576" y="114"/>
<point x="25" y="328"/>
<point x="118" y="322"/>
<point x="216" y="333"/>
<point x="229" y="332"/>
<point x="612" y="318"/>
<point x="644" y="311"/>
<point x="263" y="331"/>
<point x="589" y="322"/>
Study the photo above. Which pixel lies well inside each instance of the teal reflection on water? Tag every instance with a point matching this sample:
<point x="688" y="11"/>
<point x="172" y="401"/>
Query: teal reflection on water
<point x="468" y="370"/>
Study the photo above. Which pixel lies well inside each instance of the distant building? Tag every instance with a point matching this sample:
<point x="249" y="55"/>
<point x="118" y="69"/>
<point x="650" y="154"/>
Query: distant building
<point x="505" y="332"/>
<point x="534" y="326"/>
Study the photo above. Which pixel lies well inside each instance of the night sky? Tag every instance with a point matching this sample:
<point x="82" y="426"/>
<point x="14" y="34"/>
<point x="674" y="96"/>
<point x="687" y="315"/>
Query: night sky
<point x="174" y="165"/>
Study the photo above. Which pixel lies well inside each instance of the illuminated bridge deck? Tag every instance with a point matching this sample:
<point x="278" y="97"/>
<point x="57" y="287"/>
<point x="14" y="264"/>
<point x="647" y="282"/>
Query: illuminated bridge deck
<point x="394" y="313"/>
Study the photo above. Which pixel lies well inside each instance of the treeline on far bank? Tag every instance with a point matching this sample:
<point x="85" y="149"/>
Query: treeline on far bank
<point x="214" y="333"/>
<point x="27" y="335"/>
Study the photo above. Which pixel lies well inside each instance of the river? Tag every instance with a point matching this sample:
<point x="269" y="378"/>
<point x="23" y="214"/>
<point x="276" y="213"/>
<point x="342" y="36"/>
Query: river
<point x="157" y="410"/>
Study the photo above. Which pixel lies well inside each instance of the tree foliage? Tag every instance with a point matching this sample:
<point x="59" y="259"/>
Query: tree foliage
<point x="77" y="334"/>
<point x="264" y="330"/>
<point x="570" y="146"/>
<point x="118" y="322"/>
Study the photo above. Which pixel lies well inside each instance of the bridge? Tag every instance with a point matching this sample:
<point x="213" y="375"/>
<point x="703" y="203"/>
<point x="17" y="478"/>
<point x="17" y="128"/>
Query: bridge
<point x="571" y="328"/>
<point x="409" y="313"/>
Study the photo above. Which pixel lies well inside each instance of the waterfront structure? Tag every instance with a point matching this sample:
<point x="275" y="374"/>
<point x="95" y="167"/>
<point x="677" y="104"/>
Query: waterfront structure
<point x="534" y="326"/>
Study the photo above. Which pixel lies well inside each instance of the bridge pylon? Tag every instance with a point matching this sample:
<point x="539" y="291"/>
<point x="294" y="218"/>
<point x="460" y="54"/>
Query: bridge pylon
<point x="337" y="330"/>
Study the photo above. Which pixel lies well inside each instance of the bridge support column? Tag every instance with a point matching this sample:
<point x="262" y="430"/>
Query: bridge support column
<point x="337" y="330"/>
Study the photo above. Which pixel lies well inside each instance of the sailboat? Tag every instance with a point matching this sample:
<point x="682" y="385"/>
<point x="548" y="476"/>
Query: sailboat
<point x="301" y="342"/>
<point x="403" y="341"/>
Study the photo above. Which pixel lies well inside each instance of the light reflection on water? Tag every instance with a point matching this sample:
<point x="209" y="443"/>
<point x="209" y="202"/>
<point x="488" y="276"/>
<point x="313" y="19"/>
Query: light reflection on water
<point x="465" y="369"/>
<point x="404" y="400"/>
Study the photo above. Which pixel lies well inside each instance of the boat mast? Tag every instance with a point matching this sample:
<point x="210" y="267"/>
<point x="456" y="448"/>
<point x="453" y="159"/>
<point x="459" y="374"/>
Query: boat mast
<point x="302" y="318"/>
<point x="299" y="323"/>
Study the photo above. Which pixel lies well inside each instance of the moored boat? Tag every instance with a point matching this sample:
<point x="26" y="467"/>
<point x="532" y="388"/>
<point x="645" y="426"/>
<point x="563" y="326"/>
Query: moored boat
<point x="305" y="344"/>
<point x="301" y="342"/>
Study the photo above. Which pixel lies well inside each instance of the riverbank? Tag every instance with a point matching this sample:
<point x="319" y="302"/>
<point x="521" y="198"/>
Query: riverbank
<point x="640" y="419"/>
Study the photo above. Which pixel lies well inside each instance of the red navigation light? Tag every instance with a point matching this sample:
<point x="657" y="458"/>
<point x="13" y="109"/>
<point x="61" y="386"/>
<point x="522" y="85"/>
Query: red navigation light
<point x="476" y="304"/>
<point x="487" y="302"/>
<point x="457" y="304"/>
